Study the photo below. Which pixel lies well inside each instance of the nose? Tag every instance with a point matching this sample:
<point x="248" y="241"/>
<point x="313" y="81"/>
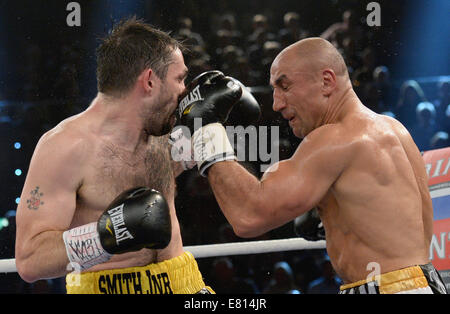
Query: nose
<point x="278" y="102"/>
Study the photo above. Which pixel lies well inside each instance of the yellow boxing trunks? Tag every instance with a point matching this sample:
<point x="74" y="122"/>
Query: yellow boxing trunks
<point x="422" y="279"/>
<point x="179" y="275"/>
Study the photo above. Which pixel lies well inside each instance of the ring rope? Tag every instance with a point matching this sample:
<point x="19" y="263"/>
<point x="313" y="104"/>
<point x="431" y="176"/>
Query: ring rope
<point x="253" y="247"/>
<point x="223" y="249"/>
<point x="8" y="265"/>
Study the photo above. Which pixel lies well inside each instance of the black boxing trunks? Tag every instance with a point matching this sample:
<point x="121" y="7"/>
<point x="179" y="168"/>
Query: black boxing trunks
<point x="422" y="279"/>
<point x="179" y="275"/>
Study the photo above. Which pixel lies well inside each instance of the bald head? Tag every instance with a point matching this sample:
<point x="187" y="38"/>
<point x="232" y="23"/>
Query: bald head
<point x="313" y="55"/>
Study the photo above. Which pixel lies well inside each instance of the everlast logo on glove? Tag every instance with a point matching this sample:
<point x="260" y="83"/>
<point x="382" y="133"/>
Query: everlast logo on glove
<point x="193" y="96"/>
<point x="120" y="230"/>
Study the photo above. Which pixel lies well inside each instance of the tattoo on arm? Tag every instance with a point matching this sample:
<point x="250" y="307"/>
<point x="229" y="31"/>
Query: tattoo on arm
<point x="35" y="199"/>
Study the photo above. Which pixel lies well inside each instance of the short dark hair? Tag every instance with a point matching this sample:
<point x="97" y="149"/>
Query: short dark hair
<point x="130" y="48"/>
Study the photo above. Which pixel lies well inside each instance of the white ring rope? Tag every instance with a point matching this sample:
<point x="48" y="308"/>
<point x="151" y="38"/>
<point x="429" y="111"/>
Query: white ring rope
<point x="223" y="249"/>
<point x="8" y="265"/>
<point x="253" y="247"/>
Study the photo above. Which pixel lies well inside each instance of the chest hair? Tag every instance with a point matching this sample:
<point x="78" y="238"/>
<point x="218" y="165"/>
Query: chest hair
<point x="150" y="165"/>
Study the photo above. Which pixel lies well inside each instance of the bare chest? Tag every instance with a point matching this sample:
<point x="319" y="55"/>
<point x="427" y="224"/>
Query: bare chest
<point x="113" y="170"/>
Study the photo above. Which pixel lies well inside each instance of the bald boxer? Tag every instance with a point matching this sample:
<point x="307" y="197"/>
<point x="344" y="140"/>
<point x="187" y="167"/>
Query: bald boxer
<point x="360" y="169"/>
<point x="81" y="207"/>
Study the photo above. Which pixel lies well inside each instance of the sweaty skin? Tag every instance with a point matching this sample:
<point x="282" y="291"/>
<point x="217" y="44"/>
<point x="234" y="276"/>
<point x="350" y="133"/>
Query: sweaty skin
<point x="362" y="170"/>
<point x="82" y="164"/>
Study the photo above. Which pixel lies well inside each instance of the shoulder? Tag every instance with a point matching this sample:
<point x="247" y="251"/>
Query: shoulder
<point x="330" y="138"/>
<point x="371" y="135"/>
<point x="396" y="125"/>
<point x="327" y="132"/>
<point x="327" y="150"/>
<point x="60" y="158"/>
<point x="338" y="144"/>
<point x="68" y="139"/>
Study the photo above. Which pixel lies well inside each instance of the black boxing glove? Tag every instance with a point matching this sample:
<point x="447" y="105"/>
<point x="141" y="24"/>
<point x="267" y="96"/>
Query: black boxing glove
<point x="246" y="111"/>
<point x="309" y="226"/>
<point x="203" y="108"/>
<point x="208" y="99"/>
<point x="138" y="218"/>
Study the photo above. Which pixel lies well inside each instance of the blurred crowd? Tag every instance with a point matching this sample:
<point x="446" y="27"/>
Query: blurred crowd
<point x="249" y="55"/>
<point x="246" y="54"/>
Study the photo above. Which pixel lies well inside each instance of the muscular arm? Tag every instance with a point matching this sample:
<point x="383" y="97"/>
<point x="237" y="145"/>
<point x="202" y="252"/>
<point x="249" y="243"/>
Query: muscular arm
<point x="47" y="206"/>
<point x="287" y="190"/>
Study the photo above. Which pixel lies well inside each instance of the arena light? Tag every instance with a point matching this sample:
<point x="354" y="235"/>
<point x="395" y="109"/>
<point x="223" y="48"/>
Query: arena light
<point x="17" y="145"/>
<point x="4" y="222"/>
<point x="18" y="172"/>
<point x="425" y="50"/>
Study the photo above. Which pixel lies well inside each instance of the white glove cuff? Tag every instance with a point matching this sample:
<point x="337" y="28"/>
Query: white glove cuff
<point x="83" y="246"/>
<point x="210" y="144"/>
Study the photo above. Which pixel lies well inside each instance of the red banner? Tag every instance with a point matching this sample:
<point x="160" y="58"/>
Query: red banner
<point x="438" y="169"/>
<point x="438" y="166"/>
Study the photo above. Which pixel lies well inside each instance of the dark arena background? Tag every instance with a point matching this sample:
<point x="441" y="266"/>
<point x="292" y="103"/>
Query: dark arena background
<point x="399" y="65"/>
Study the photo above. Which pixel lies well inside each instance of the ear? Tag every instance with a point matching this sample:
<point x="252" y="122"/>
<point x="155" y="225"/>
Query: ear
<point x="148" y="80"/>
<point x="328" y="82"/>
